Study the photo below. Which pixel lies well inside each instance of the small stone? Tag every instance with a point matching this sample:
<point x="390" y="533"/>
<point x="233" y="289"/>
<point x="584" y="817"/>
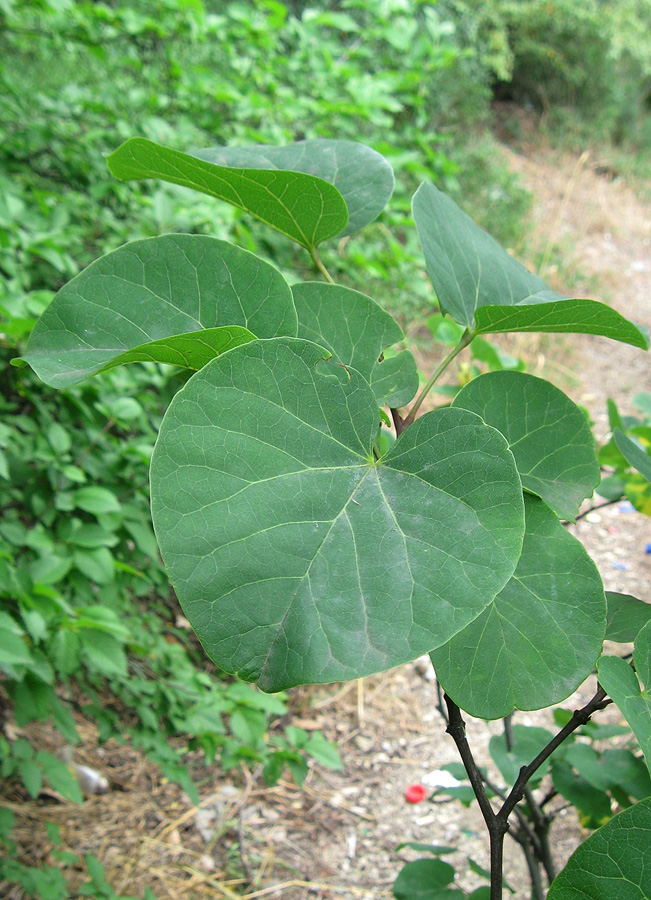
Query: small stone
<point x="365" y="744"/>
<point x="207" y="862"/>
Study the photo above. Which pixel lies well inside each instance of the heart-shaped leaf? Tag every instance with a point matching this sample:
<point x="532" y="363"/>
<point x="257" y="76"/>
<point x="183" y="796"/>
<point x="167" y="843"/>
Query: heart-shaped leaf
<point x="633" y="454"/>
<point x="485" y="289"/>
<point x="541" y="636"/>
<point x="305" y="208"/>
<point x="299" y="558"/>
<point x="548" y="434"/>
<point x="620" y="681"/>
<point x="173" y="298"/>
<point x="614" y="862"/>
<point x="626" y="616"/>
<point x="356" y="330"/>
<point x="362" y="176"/>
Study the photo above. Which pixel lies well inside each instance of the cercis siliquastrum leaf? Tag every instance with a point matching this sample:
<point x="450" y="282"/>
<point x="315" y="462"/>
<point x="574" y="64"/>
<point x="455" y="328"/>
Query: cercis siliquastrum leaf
<point x="299" y="557"/>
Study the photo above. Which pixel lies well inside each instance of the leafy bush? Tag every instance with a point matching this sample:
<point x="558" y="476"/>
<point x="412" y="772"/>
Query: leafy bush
<point x="309" y="544"/>
<point x="592" y="58"/>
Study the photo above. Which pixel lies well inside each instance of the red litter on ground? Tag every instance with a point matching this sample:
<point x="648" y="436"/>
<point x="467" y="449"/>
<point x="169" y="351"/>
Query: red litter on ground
<point x="416" y="793"/>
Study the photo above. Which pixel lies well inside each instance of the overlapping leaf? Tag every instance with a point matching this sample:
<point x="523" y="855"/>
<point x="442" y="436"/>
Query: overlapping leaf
<point x="485" y="289"/>
<point x="620" y="681"/>
<point x="177" y="298"/>
<point x="541" y="636"/>
<point x="362" y="176"/>
<point x="548" y="434"/>
<point x="614" y="862"/>
<point x="357" y="330"/>
<point x="296" y="556"/>
<point x="305" y="208"/>
<point x="626" y="616"/>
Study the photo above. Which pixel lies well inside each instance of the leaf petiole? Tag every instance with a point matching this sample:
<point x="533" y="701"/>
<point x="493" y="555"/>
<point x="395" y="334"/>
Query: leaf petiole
<point x="465" y="339"/>
<point x="316" y="259"/>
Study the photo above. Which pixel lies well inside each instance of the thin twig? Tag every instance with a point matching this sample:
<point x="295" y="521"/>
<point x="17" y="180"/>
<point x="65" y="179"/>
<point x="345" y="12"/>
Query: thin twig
<point x="580" y="717"/>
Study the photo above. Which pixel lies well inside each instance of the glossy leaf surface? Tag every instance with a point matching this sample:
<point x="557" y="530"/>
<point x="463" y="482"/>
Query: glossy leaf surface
<point x="541" y="636"/>
<point x="548" y="434"/>
<point x="614" y="862"/>
<point x="305" y="208"/>
<point x="620" y="681"/>
<point x="357" y="330"/>
<point x="626" y="616"/>
<point x="296" y="557"/>
<point x="484" y="288"/>
<point x="362" y="176"/>
<point x="144" y="301"/>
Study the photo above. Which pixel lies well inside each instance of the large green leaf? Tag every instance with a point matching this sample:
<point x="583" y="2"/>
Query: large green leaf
<point x="626" y="616"/>
<point x="613" y="864"/>
<point x="620" y="681"/>
<point x="485" y="289"/>
<point x="357" y="331"/>
<point x="296" y="556"/>
<point x="177" y="298"/>
<point x="305" y="208"/>
<point x="362" y="176"/>
<point x="541" y="636"/>
<point x="633" y="454"/>
<point x="548" y="434"/>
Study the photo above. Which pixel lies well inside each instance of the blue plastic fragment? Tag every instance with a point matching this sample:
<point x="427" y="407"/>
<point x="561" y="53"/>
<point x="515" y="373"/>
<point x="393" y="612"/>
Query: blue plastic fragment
<point x="626" y="506"/>
<point x="647" y="549"/>
<point x="620" y="566"/>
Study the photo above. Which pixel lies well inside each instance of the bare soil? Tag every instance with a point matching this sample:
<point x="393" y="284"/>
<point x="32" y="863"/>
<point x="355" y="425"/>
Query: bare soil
<point x="338" y="838"/>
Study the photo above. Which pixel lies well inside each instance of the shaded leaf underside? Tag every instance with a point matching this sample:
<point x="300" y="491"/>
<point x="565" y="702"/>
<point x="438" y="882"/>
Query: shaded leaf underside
<point x="363" y="177"/>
